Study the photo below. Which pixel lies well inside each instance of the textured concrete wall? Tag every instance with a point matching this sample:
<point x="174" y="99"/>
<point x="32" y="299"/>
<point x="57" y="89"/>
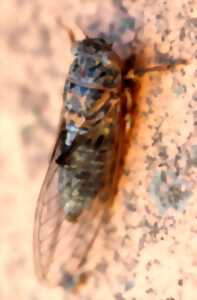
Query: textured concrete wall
<point x="150" y="248"/>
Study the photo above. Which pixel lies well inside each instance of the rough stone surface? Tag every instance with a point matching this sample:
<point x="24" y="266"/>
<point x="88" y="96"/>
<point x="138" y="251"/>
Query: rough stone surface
<point x="149" y="249"/>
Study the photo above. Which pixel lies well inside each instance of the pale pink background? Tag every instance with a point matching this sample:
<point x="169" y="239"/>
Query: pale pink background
<point x="156" y="246"/>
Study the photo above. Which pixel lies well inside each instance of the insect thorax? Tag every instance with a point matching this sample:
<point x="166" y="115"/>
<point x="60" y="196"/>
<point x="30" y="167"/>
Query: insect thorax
<point x="95" y="63"/>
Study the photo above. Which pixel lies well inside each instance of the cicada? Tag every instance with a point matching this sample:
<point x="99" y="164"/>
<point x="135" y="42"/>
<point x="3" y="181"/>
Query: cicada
<point x="81" y="179"/>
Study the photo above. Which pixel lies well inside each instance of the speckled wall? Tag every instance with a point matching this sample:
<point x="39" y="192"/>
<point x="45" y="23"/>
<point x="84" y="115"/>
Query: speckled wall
<point x="148" y="251"/>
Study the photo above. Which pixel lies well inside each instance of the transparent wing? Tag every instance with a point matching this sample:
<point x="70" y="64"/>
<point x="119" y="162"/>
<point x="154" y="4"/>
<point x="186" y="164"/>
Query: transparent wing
<point x="61" y="247"/>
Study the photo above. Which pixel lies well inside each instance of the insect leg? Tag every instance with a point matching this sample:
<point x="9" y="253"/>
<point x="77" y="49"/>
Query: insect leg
<point x="135" y="74"/>
<point x="159" y="68"/>
<point x="69" y="31"/>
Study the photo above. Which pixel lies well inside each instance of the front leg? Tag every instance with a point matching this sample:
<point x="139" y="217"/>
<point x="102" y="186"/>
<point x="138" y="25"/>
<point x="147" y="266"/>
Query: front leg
<point x="135" y="73"/>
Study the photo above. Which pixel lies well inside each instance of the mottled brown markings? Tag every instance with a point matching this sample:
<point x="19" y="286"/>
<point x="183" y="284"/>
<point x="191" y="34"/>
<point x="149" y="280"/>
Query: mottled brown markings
<point x="15" y="37"/>
<point x="156" y="91"/>
<point x="159" y="16"/>
<point x="163" y="152"/>
<point x="180" y="282"/>
<point x="157" y="137"/>
<point x="150" y="162"/>
<point x="150" y="291"/>
<point x="182" y="34"/>
<point x="142" y="242"/>
<point x="102" y="266"/>
<point x="192" y="159"/>
<point x="129" y="200"/>
<point x="154" y="230"/>
<point x="128" y="285"/>
<point x="36" y="13"/>
<point x="195" y="54"/>
<point x="162" y="26"/>
<point x="126" y="171"/>
<point x="124" y="23"/>
<point x="27" y="134"/>
<point x="152" y="235"/>
<point x="176" y="164"/>
<point x="194" y="96"/>
<point x="119" y="296"/>
<point x="169" y="192"/>
<point x="192" y="21"/>
<point x="149" y="101"/>
<point x="166" y="58"/>
<point x="183" y="72"/>
<point x="68" y="281"/>
<point x="35" y="103"/>
<point x="45" y="41"/>
<point x="116" y="256"/>
<point x="120" y="5"/>
<point x="33" y="100"/>
<point x="178" y="88"/>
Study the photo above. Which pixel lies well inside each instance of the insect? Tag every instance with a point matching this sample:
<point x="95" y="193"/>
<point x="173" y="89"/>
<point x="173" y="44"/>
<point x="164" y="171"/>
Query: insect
<point x="83" y="169"/>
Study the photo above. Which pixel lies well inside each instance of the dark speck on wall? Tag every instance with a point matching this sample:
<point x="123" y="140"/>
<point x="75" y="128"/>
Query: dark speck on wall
<point x="119" y="296"/>
<point x="180" y="282"/>
<point x="102" y="266"/>
<point x="194" y="96"/>
<point x="178" y="88"/>
<point x="149" y="291"/>
<point x="128" y="285"/>
<point x="182" y="34"/>
<point x="169" y="190"/>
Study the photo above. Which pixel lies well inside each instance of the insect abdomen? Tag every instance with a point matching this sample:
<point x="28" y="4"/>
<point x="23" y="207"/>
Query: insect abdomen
<point x="80" y="180"/>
